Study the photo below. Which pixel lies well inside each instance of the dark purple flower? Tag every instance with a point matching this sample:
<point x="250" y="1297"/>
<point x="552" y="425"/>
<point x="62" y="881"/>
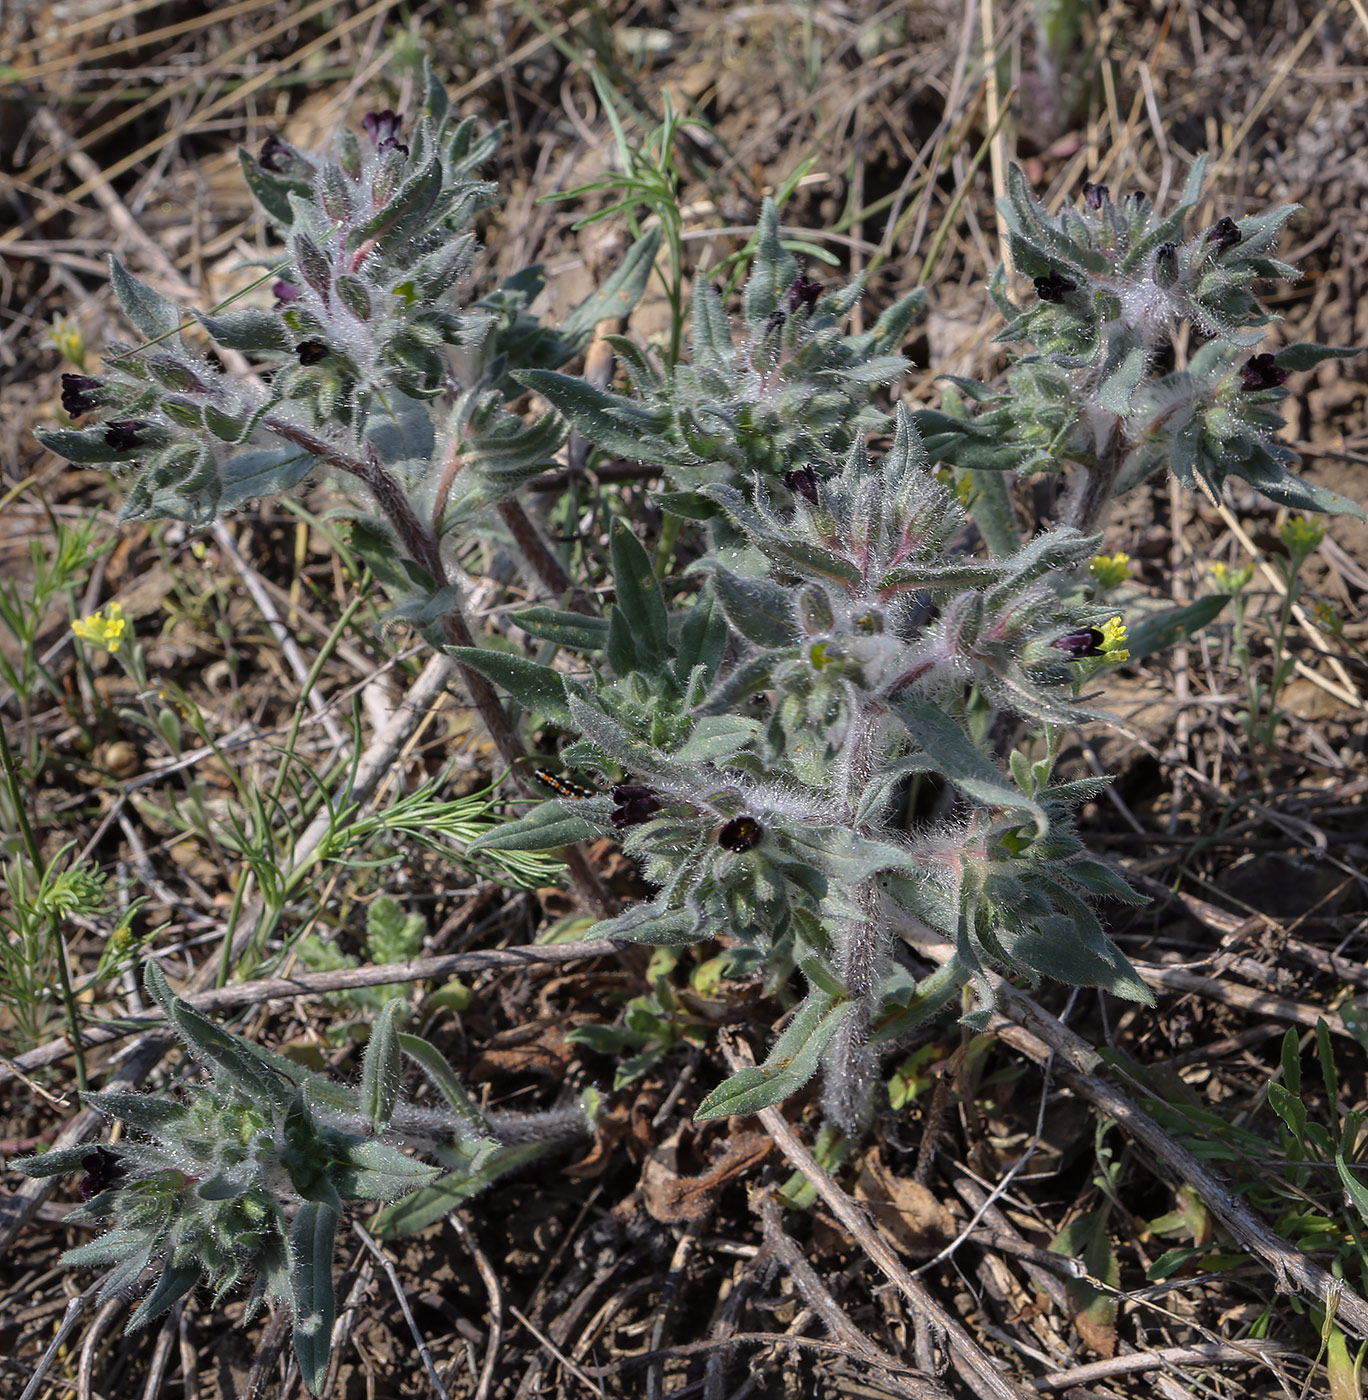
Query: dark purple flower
<point x="1055" y="287"/>
<point x="1095" y="196"/>
<point x="1138" y="197"/>
<point x="802" y="481"/>
<point x="1087" y="641"/>
<point x="740" y="834"/>
<point x="310" y="352"/>
<point x="78" y="394"/>
<point x="284" y="293"/>
<point x="103" y="1170"/>
<point x="804" y="291"/>
<point x="636" y="804"/>
<point x="273" y="150"/>
<point x="125" y="435"/>
<point x="1262" y="372"/>
<point x="1225" y="233"/>
<point x="383" y="129"/>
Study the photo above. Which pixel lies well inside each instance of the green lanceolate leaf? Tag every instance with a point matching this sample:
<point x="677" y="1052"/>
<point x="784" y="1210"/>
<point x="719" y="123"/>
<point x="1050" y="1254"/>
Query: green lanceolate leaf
<point x="537" y="687"/>
<point x="587" y="635"/>
<point x="380" y="1068"/>
<point x="153" y="315"/>
<point x="961" y="760"/>
<point x="312" y="1236"/>
<point x="1164" y="629"/>
<point x="639" y="635"/>
<point x="544" y="828"/>
<point x="795" y="1058"/>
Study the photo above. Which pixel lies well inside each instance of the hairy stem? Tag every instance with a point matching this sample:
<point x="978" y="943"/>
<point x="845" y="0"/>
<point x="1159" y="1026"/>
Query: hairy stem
<point x="423" y="547"/>
<point x="540" y="556"/>
<point x="1087" y="498"/>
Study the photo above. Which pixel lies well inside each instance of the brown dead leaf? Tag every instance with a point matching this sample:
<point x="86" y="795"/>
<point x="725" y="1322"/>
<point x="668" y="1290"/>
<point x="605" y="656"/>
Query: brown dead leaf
<point x="917" y="1221"/>
<point x="671" y="1198"/>
<point x="537" y="1048"/>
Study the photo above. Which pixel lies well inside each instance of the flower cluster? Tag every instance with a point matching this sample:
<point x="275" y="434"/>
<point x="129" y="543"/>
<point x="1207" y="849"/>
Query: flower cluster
<point x="757" y="746"/>
<point x="1113" y="281"/>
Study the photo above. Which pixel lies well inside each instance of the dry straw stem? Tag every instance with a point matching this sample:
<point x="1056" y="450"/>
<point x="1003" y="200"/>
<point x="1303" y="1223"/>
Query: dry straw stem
<point x="312" y="984"/>
<point x="1026" y="1026"/>
<point x="897" y="1374"/>
<point x="973" y="1365"/>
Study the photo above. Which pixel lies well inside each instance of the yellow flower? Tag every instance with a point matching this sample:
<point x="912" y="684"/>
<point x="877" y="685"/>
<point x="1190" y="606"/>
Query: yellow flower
<point x="1301" y="536"/>
<point x="1227" y="582"/>
<point x="1110" y="570"/>
<point x="1114" y="642"/>
<point x="104" y="628"/>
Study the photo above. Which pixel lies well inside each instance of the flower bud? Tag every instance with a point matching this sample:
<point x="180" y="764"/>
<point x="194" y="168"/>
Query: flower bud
<point x="284" y="293"/>
<point x="636" y="804"/>
<point x="802" y="481"/>
<point x="1095" y="196"/>
<point x="103" y="1170"/>
<point x="273" y="151"/>
<point x="1261" y="372"/>
<point x="1166" y="264"/>
<point x="1087" y="641"/>
<point x="804" y="291"/>
<point x="1055" y="287"/>
<point x="740" y="834"/>
<point x="1225" y="233"/>
<point x="383" y="127"/>
<point x="79" y="394"/>
<point x="126" y="434"/>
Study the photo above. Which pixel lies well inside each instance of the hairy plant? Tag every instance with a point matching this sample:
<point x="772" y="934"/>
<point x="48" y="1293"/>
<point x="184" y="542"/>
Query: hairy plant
<point x="795" y="736"/>
<point x="1113" y="283"/>
<point x="249" y="1175"/>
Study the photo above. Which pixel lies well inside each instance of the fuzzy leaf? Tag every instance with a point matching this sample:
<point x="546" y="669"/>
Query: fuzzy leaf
<point x="544" y="828"/>
<point x="639" y="627"/>
<point x="1307" y="355"/>
<point x="760" y="609"/>
<point x="443" y="1078"/>
<point x="175" y="1282"/>
<point x="567" y="629"/>
<point x="614" y="424"/>
<point x="437" y="1201"/>
<point x="537" y="687"/>
<point x="1164" y="629"/>
<point x="377" y="1171"/>
<point x="252" y="329"/>
<point x="268" y="472"/>
<point x="211" y="1044"/>
<point x="312" y="1236"/>
<point x="153" y="315"/>
<point x="795" y="1058"/>
<point x="618" y="295"/>
<point x="961" y="761"/>
<point x="380" y="1068"/>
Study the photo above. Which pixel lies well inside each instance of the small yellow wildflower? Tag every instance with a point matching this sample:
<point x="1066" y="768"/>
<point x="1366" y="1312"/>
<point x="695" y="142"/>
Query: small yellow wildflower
<point x="1227" y="582"/>
<point x="65" y="334"/>
<point x="104" y="628"/>
<point x="1110" y="570"/>
<point x="1114" y="642"/>
<point x="1301" y="536"/>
